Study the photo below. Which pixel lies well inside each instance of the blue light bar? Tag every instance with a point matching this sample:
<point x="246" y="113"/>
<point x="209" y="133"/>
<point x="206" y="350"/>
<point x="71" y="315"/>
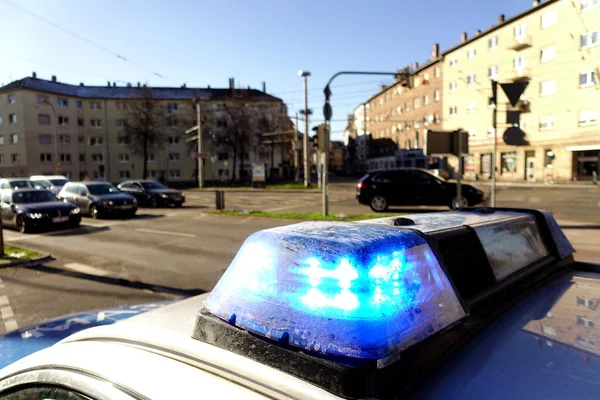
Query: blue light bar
<point x="342" y="289"/>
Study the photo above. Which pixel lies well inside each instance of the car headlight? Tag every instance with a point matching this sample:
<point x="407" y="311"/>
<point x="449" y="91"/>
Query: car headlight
<point x="164" y="196"/>
<point x="35" y="215"/>
<point x="107" y="203"/>
<point x="134" y="201"/>
<point x="76" y="210"/>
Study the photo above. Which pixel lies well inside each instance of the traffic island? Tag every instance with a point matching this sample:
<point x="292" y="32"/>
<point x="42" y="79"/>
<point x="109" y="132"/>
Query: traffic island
<point x="17" y="257"/>
<point x="299" y="216"/>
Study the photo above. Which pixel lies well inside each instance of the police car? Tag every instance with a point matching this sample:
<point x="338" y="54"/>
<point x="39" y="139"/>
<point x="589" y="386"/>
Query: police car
<point x="483" y="303"/>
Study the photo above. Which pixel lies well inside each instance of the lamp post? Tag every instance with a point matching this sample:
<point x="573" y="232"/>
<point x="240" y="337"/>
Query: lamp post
<point x="305" y="75"/>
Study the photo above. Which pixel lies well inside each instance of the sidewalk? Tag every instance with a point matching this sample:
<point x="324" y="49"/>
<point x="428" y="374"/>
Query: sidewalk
<point x="578" y="185"/>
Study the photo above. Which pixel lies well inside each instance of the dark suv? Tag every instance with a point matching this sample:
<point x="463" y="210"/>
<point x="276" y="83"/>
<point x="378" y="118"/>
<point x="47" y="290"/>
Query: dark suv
<point x="411" y="187"/>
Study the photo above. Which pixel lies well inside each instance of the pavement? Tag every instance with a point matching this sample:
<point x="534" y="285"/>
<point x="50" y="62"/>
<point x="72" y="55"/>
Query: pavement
<point x="166" y="254"/>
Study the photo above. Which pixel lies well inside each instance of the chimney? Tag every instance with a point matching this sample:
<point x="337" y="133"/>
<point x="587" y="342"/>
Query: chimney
<point x="478" y="32"/>
<point x="463" y="37"/>
<point x="501" y="18"/>
<point x="138" y="84"/>
<point x="114" y="84"/>
<point x="183" y="86"/>
<point x="264" y="87"/>
<point x="208" y="87"/>
<point x="34" y="75"/>
<point x="53" y="78"/>
<point x="248" y="87"/>
<point x="108" y="83"/>
<point x="80" y="83"/>
<point x="415" y="66"/>
<point x="536" y="3"/>
<point x="128" y="84"/>
<point x="435" y="53"/>
<point x="231" y="83"/>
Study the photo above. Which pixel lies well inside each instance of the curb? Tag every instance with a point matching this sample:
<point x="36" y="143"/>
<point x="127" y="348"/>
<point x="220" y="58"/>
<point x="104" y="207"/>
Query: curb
<point x="32" y="262"/>
<point x="250" y="190"/>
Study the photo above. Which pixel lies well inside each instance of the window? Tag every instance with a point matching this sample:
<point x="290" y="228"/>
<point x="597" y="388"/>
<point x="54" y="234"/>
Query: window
<point x="1" y="140"/>
<point x="172" y="123"/>
<point x="95" y="105"/>
<point x="63" y="121"/>
<point x="121" y="106"/>
<point x="547" y="123"/>
<point x="151" y="157"/>
<point x="587" y="79"/>
<point x="96" y="123"/>
<point x="171" y="107"/>
<point x="124" y="175"/>
<point x="547" y="88"/>
<point x="453" y="111"/>
<point x="549" y="18"/>
<point x="96" y="141"/>
<point x="586" y="302"/>
<point x="436" y="95"/>
<point x="493" y="42"/>
<point x="41" y="99"/>
<point x="64" y="139"/>
<point x="62" y="102"/>
<point x="65" y="158"/>
<point x="407" y="106"/>
<point x="471" y="54"/>
<point x="79" y="121"/>
<point x="471" y="107"/>
<point x="81" y="157"/>
<point x="1" y="158"/>
<point x="548" y="158"/>
<point x="121" y="123"/>
<point x="588" y="323"/>
<point x="436" y="72"/>
<point x="588" y="117"/>
<point x="453" y="86"/>
<point x="98" y="175"/>
<point x="123" y="141"/>
<point x="80" y="139"/>
<point x="519" y="62"/>
<point x="548" y="330"/>
<point x="520" y="31"/>
<point x="11" y="99"/>
<point x="45" y="158"/>
<point x="426" y="76"/>
<point x="14" y="158"/>
<point x="493" y="72"/>
<point x="508" y="163"/>
<point x="416" y="102"/>
<point x="585" y="342"/>
<point x="78" y="104"/>
<point x="98" y="158"/>
<point x="152" y="174"/>
<point x="548" y="54"/>
<point x="436" y="118"/>
<point x="399" y="109"/>
<point x="453" y="62"/>
<point x="425" y="100"/>
<point x="174" y="174"/>
<point x="12" y="118"/>
<point x="471" y="79"/>
<point x="43" y="119"/>
<point x="124" y="158"/>
<point x="173" y="157"/>
<point x="588" y="39"/>
<point x="0" y="120"/>
<point x="14" y="138"/>
<point x="588" y="4"/>
<point x="416" y="123"/>
<point x="173" y="139"/>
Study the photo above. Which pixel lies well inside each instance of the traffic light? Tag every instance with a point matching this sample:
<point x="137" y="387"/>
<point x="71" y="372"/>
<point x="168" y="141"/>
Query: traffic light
<point x="322" y="137"/>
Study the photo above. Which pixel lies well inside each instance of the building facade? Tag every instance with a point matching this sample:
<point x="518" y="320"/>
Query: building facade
<point x="79" y="130"/>
<point x="553" y="46"/>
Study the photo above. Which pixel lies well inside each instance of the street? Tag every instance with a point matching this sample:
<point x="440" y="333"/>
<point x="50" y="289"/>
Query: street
<point x="166" y="254"/>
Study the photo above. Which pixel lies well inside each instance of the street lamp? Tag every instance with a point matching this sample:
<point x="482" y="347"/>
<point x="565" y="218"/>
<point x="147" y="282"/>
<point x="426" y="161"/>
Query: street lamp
<point x="305" y="75"/>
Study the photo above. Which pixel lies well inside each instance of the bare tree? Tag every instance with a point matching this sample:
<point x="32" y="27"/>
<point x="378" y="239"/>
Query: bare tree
<point x="145" y="124"/>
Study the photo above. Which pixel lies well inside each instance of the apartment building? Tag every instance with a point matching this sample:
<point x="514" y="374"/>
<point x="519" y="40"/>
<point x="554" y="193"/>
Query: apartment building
<point x="80" y="129"/>
<point x="554" y="46"/>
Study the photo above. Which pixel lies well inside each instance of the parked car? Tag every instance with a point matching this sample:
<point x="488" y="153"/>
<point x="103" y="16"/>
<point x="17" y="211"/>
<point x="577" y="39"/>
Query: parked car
<point x="18" y="183"/>
<point x="152" y="193"/>
<point x="412" y="186"/>
<point x="29" y="209"/>
<point x="53" y="183"/>
<point x="99" y="199"/>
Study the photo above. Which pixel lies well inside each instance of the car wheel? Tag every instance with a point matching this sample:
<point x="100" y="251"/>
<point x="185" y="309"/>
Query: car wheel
<point x="153" y="203"/>
<point x="378" y="204"/>
<point x="456" y="204"/>
<point x="22" y="224"/>
<point x="94" y="212"/>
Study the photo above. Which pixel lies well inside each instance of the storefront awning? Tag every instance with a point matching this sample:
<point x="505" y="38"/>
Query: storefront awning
<point x="584" y="148"/>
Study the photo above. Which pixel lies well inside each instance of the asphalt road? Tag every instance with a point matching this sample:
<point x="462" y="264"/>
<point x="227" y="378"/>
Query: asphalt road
<point x="168" y="254"/>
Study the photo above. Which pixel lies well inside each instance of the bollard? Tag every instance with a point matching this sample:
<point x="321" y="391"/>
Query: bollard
<point x="594" y="178"/>
<point x="219" y="199"/>
<point x="222" y="199"/>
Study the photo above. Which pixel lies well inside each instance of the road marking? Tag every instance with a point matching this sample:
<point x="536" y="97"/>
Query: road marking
<point x="8" y="316"/>
<point x="86" y="269"/>
<point x="188" y="235"/>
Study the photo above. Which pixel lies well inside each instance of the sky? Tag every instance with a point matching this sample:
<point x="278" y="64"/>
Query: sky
<point x="200" y="43"/>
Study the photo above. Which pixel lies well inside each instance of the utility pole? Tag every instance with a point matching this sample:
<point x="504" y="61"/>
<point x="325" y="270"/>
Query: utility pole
<point x="494" y="106"/>
<point x="305" y="75"/>
<point x="324" y="170"/>
<point x="200" y="160"/>
<point x="296" y="155"/>
<point x="460" y="171"/>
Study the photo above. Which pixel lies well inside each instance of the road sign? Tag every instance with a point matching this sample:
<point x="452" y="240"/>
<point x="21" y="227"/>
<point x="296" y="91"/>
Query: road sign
<point x="514" y="90"/>
<point x="200" y="155"/>
<point x="192" y="129"/>
<point x="514" y="136"/>
<point x="445" y="142"/>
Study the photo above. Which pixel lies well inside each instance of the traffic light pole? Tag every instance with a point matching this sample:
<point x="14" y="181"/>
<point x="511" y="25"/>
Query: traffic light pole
<point x="494" y="146"/>
<point x="200" y="160"/>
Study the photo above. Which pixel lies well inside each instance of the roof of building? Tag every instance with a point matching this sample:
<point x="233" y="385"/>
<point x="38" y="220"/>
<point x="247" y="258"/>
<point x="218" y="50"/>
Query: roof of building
<point x="130" y="92"/>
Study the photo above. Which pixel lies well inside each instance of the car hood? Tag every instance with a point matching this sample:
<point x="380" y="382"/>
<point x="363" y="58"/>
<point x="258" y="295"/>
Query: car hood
<point x="46" y="206"/>
<point x="20" y="343"/>
<point x="452" y="183"/>
<point x="113" y="196"/>
<point x="163" y="191"/>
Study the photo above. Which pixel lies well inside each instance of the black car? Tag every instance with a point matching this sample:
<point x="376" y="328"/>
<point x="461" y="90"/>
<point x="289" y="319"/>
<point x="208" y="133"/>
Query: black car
<point x="99" y="199"/>
<point x="152" y="194"/>
<point x="18" y="183"/>
<point x="411" y="187"/>
<point x="29" y="209"/>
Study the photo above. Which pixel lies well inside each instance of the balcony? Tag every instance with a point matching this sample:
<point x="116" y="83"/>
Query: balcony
<point x="520" y="74"/>
<point x="520" y="42"/>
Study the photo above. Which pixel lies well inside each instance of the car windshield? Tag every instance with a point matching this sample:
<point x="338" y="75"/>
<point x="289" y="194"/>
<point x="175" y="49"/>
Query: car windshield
<point x="22" y="184"/>
<point x="105" y="188"/>
<point x="33" y="196"/>
<point x="152" y="185"/>
<point x="58" y="182"/>
<point x="42" y="183"/>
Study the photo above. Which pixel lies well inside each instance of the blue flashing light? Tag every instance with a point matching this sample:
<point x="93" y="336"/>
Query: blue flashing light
<point x="341" y="289"/>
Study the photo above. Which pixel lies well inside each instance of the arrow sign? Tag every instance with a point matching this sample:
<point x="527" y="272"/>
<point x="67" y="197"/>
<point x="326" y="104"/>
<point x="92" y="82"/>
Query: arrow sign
<point x="514" y="90"/>
<point x="192" y="129"/>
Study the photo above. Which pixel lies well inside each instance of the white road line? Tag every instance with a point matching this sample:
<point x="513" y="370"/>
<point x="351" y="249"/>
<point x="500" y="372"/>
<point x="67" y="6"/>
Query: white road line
<point x="86" y="269"/>
<point x="8" y="316"/>
<point x="4" y="301"/>
<point x="188" y="235"/>
<point x="7" y="312"/>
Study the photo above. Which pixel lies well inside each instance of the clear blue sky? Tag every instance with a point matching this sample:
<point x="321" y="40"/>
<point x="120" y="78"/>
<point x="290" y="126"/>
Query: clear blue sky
<point x="206" y="42"/>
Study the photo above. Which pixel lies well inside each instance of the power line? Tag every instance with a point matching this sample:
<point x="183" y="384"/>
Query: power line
<point x="333" y="87"/>
<point x="98" y="46"/>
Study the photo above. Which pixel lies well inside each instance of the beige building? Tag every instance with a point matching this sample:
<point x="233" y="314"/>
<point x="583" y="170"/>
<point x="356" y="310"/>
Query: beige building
<point x="555" y="46"/>
<point x="79" y="130"/>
